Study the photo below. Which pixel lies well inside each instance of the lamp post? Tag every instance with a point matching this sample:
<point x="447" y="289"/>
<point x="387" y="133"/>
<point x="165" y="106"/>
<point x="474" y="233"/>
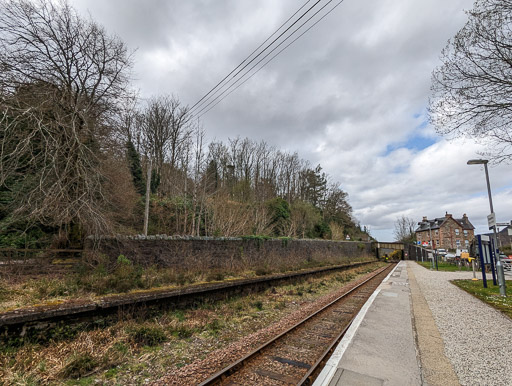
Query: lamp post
<point x="499" y="266"/>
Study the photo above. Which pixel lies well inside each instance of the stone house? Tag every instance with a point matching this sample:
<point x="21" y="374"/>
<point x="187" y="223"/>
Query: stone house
<point x="504" y="239"/>
<point x="446" y="232"/>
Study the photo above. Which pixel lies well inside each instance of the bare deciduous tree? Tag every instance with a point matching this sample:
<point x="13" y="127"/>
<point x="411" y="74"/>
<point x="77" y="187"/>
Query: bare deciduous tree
<point x="61" y="76"/>
<point x="404" y="229"/>
<point x="472" y="89"/>
<point x="166" y="131"/>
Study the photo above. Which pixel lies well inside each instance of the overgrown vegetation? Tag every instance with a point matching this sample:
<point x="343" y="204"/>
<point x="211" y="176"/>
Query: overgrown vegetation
<point x="75" y="156"/>
<point x="134" y="350"/>
<point x="101" y="277"/>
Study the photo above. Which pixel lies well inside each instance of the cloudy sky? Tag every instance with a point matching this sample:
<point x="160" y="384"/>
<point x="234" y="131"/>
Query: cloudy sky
<point x="351" y="94"/>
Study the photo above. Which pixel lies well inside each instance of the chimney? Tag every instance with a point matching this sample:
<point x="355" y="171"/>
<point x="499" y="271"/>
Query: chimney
<point x="448" y="215"/>
<point x="464" y="216"/>
<point x="425" y="219"/>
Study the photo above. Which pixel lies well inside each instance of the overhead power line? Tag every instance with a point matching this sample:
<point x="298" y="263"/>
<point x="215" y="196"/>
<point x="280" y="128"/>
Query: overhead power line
<point x="261" y="45"/>
<point x="205" y="109"/>
<point x="202" y="100"/>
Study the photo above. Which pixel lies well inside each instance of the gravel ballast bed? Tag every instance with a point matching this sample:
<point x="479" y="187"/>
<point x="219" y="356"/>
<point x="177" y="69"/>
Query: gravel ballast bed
<point x="477" y="338"/>
<point x="200" y="370"/>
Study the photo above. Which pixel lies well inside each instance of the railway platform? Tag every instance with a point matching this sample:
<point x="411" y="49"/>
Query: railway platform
<point x="418" y="328"/>
<point x="379" y="348"/>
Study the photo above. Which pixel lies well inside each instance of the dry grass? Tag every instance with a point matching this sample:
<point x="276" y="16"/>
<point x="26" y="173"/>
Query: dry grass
<point x="134" y="350"/>
<point x="91" y="282"/>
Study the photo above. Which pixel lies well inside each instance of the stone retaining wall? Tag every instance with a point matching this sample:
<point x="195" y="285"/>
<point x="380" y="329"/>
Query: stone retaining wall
<point x="233" y="253"/>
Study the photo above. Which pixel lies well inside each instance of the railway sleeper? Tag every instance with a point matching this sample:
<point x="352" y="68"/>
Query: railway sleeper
<point x="291" y="362"/>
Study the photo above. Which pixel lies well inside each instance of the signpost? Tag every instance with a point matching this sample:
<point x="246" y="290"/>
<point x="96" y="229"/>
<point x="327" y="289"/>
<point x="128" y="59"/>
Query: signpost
<point x="482" y="261"/>
<point x="491" y="220"/>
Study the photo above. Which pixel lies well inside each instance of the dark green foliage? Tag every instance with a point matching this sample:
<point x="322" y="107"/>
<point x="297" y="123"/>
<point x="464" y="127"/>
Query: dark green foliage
<point x="16" y="234"/>
<point x="15" y="231"/>
<point x="337" y="209"/>
<point x="280" y="216"/>
<point x="135" y="168"/>
<point x="146" y="335"/>
<point x="79" y="365"/>
<point x="315" y="186"/>
<point x="321" y="230"/>
<point x="155" y="181"/>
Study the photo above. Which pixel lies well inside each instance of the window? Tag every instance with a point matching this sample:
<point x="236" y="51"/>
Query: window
<point x="466" y="233"/>
<point x="456" y="232"/>
<point x="466" y="242"/>
<point x="437" y="242"/>
<point x="437" y="232"/>
<point x="458" y="242"/>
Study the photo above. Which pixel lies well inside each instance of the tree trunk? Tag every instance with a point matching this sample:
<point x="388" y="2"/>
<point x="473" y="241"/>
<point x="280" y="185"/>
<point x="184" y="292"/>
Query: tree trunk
<point x="148" y="193"/>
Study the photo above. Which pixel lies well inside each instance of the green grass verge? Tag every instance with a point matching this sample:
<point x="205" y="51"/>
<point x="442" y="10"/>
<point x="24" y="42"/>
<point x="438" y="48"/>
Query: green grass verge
<point x="443" y="266"/>
<point x="489" y="295"/>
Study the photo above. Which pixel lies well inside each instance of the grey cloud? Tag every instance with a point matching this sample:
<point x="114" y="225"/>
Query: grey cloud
<point x="339" y="96"/>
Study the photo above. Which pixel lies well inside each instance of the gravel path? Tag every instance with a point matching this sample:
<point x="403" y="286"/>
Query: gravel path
<point x="478" y="339"/>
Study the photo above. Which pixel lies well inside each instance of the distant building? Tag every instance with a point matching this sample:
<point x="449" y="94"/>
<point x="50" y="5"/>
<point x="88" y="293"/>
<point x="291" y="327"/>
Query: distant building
<point x="445" y="232"/>
<point x="504" y="239"/>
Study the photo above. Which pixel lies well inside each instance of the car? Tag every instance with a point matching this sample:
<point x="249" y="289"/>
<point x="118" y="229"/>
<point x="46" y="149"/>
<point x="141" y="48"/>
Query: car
<point x="507" y="264"/>
<point x="441" y="252"/>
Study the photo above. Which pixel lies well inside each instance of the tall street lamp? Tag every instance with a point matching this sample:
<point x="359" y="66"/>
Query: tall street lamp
<point x="499" y="266"/>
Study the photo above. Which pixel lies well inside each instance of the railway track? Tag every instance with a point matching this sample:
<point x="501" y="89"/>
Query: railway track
<point x="296" y="356"/>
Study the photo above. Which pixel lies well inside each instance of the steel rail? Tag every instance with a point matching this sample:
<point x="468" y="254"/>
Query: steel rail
<point x="306" y="378"/>
<point x="231" y="369"/>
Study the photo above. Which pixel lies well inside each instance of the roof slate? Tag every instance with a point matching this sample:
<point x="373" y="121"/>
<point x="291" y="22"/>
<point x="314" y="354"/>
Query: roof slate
<point x="438" y="222"/>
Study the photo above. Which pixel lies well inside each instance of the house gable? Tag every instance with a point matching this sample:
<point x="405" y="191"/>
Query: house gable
<point x="445" y="232"/>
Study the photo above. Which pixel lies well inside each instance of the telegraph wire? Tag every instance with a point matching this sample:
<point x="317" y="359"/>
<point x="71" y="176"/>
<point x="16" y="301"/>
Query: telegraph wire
<point x="284" y="32"/>
<point x="205" y="109"/>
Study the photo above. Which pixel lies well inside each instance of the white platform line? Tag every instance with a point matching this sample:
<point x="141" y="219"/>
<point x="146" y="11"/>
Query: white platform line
<point x="331" y="366"/>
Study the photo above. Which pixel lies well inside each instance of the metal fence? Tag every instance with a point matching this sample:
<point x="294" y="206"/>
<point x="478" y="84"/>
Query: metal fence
<point x="416" y="252"/>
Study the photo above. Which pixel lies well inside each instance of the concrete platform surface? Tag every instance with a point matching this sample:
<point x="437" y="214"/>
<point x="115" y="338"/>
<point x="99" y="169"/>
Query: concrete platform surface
<point x="380" y="346"/>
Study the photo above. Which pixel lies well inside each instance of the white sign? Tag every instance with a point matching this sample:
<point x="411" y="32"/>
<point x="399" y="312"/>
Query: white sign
<point x="509" y="230"/>
<point x="491" y="220"/>
<point x="484" y="238"/>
